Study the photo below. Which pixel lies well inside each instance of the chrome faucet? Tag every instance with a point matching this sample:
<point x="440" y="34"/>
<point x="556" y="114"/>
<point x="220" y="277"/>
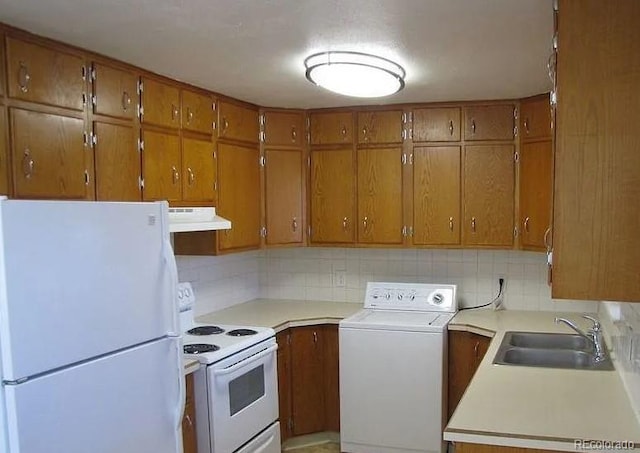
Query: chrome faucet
<point x="594" y="335"/>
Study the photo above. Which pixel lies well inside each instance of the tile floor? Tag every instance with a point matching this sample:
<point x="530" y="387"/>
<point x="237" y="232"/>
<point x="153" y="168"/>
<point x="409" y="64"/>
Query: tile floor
<point x="330" y="447"/>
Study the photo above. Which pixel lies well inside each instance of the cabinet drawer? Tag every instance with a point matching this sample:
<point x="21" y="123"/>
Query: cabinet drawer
<point x="436" y="125"/>
<point x="331" y="128"/>
<point x="237" y="123"/>
<point x="197" y="112"/>
<point x="115" y="92"/>
<point x="161" y="104"/>
<point x="284" y="128"/>
<point x="535" y="119"/>
<point x="489" y="122"/>
<point x="39" y="74"/>
<point x="380" y="127"/>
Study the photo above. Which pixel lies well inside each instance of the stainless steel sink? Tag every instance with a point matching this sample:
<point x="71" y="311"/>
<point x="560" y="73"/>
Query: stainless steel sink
<point x="549" y="350"/>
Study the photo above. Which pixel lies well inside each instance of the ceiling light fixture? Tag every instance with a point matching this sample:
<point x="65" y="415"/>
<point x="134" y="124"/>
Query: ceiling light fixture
<point x="355" y="74"/>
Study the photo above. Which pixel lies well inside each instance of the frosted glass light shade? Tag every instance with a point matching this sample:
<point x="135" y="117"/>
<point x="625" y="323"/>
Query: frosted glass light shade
<point x="355" y="74"/>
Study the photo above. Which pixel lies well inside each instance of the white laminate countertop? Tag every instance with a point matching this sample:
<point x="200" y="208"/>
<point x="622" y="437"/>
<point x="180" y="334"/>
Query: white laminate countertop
<point x="531" y="407"/>
<point x="281" y="314"/>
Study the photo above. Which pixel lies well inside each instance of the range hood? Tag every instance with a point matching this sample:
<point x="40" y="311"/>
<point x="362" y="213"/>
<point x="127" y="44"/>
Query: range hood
<point x="196" y="219"/>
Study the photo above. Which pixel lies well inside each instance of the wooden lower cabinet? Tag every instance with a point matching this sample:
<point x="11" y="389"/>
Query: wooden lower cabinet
<point x="308" y="386"/>
<point x="466" y="351"/>
<point x="189" y="438"/>
<point x="463" y="447"/>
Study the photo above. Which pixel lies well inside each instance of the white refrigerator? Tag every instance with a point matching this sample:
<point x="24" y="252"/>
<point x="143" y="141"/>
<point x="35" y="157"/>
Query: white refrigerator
<point x="90" y="348"/>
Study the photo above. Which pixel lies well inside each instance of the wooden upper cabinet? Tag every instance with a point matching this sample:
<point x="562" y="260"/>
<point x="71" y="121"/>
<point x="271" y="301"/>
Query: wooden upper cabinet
<point x="332" y="196"/>
<point x="489" y="122"/>
<point x="380" y="127"/>
<point x="489" y="180"/>
<point x="436" y="195"/>
<point x="161" y="166"/>
<point x="198" y="113"/>
<point x="331" y="128"/>
<point x="380" y="196"/>
<point x="198" y="170"/>
<point x="160" y="103"/>
<point x="4" y="157"/>
<point x="239" y="196"/>
<point x="284" y="128"/>
<point x="117" y="162"/>
<point x="283" y="194"/>
<point x="115" y="92"/>
<point x="237" y="122"/>
<point x="43" y="75"/>
<point x="48" y="156"/>
<point x="437" y="124"/>
<point x="536" y="183"/>
<point x="535" y="118"/>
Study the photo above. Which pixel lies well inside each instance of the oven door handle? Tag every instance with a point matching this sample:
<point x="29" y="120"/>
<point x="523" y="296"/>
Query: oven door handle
<point x="247" y="361"/>
<point x="265" y="445"/>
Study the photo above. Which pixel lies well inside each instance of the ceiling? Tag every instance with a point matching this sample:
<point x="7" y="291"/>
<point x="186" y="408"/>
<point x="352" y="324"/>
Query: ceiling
<point x="254" y="49"/>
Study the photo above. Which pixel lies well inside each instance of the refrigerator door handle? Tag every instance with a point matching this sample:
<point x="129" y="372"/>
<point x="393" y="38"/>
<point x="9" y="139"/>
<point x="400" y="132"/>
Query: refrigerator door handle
<point x="172" y="269"/>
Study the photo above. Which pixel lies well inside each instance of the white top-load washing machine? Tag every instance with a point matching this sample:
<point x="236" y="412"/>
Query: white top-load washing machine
<point x="392" y="369"/>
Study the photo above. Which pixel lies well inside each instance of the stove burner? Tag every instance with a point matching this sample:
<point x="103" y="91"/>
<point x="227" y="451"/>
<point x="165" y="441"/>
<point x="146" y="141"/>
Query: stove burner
<point x="241" y="332"/>
<point x="205" y="330"/>
<point x="199" y="348"/>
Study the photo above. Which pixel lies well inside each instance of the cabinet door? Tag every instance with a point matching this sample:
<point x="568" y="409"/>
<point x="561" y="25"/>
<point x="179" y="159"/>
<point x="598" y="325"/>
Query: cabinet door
<point x="115" y="92"/>
<point x="466" y="351"/>
<point x="307" y="380"/>
<point x="331" y="128"/>
<point x="237" y="122"/>
<point x="489" y="122"/>
<point x="161" y="166"/>
<point x="441" y="124"/>
<point x="4" y="157"/>
<point x="43" y="75"/>
<point x="436" y="195"/>
<point x="48" y="155"/>
<point x="536" y="183"/>
<point x="283" y="193"/>
<point x="332" y="196"/>
<point x="380" y="195"/>
<point x="197" y="112"/>
<point x="380" y="127"/>
<point x="239" y="196"/>
<point x="535" y="118"/>
<point x="488" y="195"/>
<point x="198" y="170"/>
<point x="331" y="378"/>
<point x="283" y="339"/>
<point x="189" y="436"/>
<point x="160" y="103"/>
<point x="117" y="163"/>
<point x="284" y="128"/>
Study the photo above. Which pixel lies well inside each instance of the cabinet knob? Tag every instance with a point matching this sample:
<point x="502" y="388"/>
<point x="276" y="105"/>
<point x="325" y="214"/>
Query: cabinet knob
<point x="23" y="77"/>
<point x="27" y="164"/>
<point x="126" y="101"/>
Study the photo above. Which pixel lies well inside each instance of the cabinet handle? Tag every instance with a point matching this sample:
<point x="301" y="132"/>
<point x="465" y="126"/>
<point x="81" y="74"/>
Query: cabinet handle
<point x="526" y="225"/>
<point x="174" y="112"/>
<point x="545" y="239"/>
<point x="192" y="176"/>
<point x="189" y="115"/>
<point x="294" y="134"/>
<point x="475" y="349"/>
<point x="126" y="101"/>
<point x="225" y="126"/>
<point x="450" y="223"/>
<point x="345" y="223"/>
<point x="344" y="132"/>
<point x="188" y="417"/>
<point x="315" y="337"/>
<point x="23" y="77"/>
<point x="176" y="175"/>
<point x="294" y="224"/>
<point x="526" y="126"/>
<point x="473" y="224"/>
<point x="473" y="126"/>
<point x="451" y="127"/>
<point x="365" y="223"/>
<point x="27" y="164"/>
<point x="364" y="134"/>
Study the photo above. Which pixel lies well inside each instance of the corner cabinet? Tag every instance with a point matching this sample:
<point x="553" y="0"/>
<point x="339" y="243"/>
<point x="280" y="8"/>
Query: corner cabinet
<point x="596" y="251"/>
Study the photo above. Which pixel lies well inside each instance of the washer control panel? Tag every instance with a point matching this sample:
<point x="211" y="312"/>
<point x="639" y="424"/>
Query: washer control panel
<point x="411" y="296"/>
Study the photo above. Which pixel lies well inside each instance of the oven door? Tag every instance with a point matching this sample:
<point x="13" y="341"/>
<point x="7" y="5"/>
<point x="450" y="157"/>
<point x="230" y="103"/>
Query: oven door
<point x="243" y="397"/>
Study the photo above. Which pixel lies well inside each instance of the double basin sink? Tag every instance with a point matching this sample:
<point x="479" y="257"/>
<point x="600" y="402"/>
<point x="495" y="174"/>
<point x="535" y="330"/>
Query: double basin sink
<point x="549" y="350"/>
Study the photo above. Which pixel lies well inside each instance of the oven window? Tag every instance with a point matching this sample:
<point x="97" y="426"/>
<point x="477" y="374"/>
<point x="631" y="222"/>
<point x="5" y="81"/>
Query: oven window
<point x="246" y="389"/>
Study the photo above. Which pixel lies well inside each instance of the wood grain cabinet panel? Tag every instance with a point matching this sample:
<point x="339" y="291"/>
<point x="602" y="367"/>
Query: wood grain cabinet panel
<point x="284" y="129"/>
<point x="39" y="74"/>
<point x="331" y="128"/>
<point x="283" y="194"/>
<point x="436" y="195"/>
<point x="596" y="251"/>
<point x="489" y="122"/>
<point x="48" y="155"/>
<point x="380" y="195"/>
<point x="4" y="157"/>
<point x="198" y="113"/>
<point x="332" y="196"/>
<point x="198" y="170"/>
<point x="115" y="92"/>
<point x="160" y="103"/>
<point x="237" y="122"/>
<point x="161" y="164"/>
<point x="489" y="181"/>
<point x="536" y="184"/>
<point x="466" y="351"/>
<point x="283" y="338"/>
<point x="239" y="196"/>
<point x="380" y="127"/>
<point x="535" y="118"/>
<point x="464" y="447"/>
<point x="331" y="378"/>
<point x="437" y="124"/>
<point x="189" y="435"/>
<point x="117" y="162"/>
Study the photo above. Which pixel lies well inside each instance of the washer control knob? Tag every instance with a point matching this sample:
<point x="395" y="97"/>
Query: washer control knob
<point x="438" y="298"/>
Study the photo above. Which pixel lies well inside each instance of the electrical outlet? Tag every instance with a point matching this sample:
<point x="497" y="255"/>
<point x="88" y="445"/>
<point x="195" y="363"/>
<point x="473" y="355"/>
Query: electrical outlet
<point x="339" y="279"/>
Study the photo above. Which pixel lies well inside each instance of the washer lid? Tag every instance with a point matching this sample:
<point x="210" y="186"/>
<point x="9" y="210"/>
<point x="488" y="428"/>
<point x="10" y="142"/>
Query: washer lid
<point x="397" y="320"/>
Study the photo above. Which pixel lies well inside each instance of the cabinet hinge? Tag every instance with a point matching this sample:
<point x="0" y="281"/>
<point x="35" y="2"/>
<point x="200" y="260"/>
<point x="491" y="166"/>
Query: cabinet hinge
<point x="84" y="72"/>
<point x="404" y="231"/>
<point x="515" y="131"/>
<point x="515" y="113"/>
<point x="410" y="231"/>
<point x="93" y="75"/>
<point x="309" y="161"/>
<point x="407" y="117"/>
<point x="215" y="155"/>
<point x="140" y="145"/>
<point x="141" y="182"/>
<point x="87" y="178"/>
<point x="308" y="123"/>
<point x="263" y="232"/>
<point x="84" y="99"/>
<point x="404" y="159"/>
<point x="214" y="106"/>
<point x="263" y="161"/>
<point x="308" y="137"/>
<point x="262" y="136"/>
<point x="407" y="134"/>
<point x="140" y="86"/>
<point x="214" y="125"/>
<point x="261" y="120"/>
<point x="516" y="156"/>
<point x="94" y="139"/>
<point x="94" y="100"/>
<point x="140" y="112"/>
<point x="555" y="5"/>
<point x="515" y="231"/>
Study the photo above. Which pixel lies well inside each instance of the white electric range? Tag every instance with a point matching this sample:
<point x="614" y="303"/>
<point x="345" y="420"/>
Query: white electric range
<point x="236" y="389"/>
